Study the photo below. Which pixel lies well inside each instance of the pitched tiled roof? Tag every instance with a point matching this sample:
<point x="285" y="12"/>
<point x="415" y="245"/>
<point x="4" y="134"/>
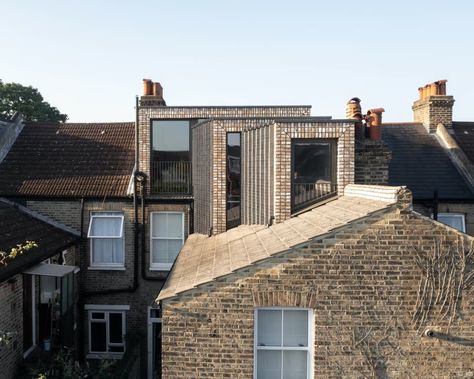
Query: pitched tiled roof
<point x="464" y="136"/>
<point x="69" y="160"/>
<point x="422" y="164"/>
<point x="18" y="226"/>
<point x="203" y="259"/>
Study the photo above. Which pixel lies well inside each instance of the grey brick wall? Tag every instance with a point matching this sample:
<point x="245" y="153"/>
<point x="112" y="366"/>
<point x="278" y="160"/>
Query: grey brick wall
<point x="266" y="166"/>
<point x="363" y="286"/>
<point x="371" y="162"/>
<point x="11" y="320"/>
<point x="202" y="176"/>
<point x="342" y="131"/>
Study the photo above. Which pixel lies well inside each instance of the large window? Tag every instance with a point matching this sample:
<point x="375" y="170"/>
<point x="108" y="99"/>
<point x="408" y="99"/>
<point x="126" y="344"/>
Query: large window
<point x="454" y="220"/>
<point x="106" y="330"/>
<point x="167" y="237"/>
<point x="107" y="242"/>
<point x="233" y="153"/>
<point x="282" y="343"/>
<point x="313" y="171"/>
<point x="171" y="157"/>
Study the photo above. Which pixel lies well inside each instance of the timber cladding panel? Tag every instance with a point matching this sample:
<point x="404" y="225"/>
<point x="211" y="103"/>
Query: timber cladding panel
<point x="364" y="286"/>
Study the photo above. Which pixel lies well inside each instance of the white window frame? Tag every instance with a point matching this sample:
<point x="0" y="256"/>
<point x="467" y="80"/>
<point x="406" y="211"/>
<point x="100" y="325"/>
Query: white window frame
<point x="163" y="266"/>
<point x="106" y="310"/>
<point x="308" y="349"/>
<point x="454" y="215"/>
<point x="106" y="214"/>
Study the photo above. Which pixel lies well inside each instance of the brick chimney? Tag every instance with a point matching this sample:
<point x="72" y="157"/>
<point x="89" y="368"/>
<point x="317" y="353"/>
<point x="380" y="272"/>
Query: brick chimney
<point x="433" y="106"/>
<point x="152" y="94"/>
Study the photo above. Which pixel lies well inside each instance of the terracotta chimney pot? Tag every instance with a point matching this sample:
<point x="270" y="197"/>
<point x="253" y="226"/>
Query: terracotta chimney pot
<point x="375" y="123"/>
<point x="420" y="93"/>
<point x="157" y="90"/>
<point x="442" y="87"/>
<point x="147" y="87"/>
<point x="434" y="89"/>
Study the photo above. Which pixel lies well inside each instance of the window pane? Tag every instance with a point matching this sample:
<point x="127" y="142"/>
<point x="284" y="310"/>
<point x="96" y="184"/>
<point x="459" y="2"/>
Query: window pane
<point x="165" y="251"/>
<point x="98" y="315"/>
<point x="107" y="250"/>
<point x="115" y="328"/>
<point x="295" y="328"/>
<point x="98" y="337"/>
<point x="312" y="162"/>
<point x="106" y="227"/>
<point x="233" y="151"/>
<point x="454" y="221"/>
<point x="269" y="328"/>
<point x="175" y="225"/>
<point x="170" y="140"/>
<point x="268" y="364"/>
<point x="160" y="225"/>
<point x="295" y="365"/>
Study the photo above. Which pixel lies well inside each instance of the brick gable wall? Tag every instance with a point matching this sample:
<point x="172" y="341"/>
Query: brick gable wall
<point x="363" y="285"/>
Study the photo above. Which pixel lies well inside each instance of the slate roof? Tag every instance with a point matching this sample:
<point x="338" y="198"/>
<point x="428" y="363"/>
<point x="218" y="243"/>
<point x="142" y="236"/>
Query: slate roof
<point x="203" y="259"/>
<point x="18" y="226"/>
<point x="69" y="160"/>
<point x="464" y="136"/>
<point x="422" y="164"/>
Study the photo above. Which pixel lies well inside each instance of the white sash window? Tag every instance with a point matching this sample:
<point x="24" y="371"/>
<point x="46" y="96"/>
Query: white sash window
<point x="107" y="242"/>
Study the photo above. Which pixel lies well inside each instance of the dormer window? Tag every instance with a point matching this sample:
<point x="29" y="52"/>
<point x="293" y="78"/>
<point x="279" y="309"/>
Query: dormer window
<point x="313" y="171"/>
<point x="171" y="157"/>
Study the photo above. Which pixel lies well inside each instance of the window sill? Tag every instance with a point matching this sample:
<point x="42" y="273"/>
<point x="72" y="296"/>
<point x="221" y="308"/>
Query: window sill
<point x="159" y="269"/>
<point x="106" y="268"/>
<point x="104" y="355"/>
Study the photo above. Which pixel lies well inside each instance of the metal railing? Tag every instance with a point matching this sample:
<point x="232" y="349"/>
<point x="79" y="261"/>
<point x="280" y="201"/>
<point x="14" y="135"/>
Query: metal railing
<point x="171" y="177"/>
<point x="305" y="194"/>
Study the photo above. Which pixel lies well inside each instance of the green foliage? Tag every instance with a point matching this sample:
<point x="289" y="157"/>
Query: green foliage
<point x="28" y="101"/>
<point x="15" y="251"/>
<point x="63" y="366"/>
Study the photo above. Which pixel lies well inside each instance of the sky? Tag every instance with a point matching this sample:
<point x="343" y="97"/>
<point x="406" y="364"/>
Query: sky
<point x="88" y="58"/>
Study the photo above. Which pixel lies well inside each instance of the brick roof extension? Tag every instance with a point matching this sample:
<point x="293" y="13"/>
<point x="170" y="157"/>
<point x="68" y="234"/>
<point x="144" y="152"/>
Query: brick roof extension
<point x="422" y="164"/>
<point x="17" y="226"/>
<point x="69" y="160"/>
<point x="203" y="259"/>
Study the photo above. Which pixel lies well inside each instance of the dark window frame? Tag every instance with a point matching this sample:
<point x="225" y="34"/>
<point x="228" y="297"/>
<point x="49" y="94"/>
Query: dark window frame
<point x="192" y="123"/>
<point x="333" y="145"/>
<point x="236" y="223"/>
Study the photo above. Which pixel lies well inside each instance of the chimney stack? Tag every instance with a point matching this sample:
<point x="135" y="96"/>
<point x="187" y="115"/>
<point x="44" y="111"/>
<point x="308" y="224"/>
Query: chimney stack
<point x="433" y="106"/>
<point x="152" y="94"/>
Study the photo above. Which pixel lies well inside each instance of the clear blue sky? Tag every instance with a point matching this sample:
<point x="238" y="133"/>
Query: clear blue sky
<point x="88" y="58"/>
